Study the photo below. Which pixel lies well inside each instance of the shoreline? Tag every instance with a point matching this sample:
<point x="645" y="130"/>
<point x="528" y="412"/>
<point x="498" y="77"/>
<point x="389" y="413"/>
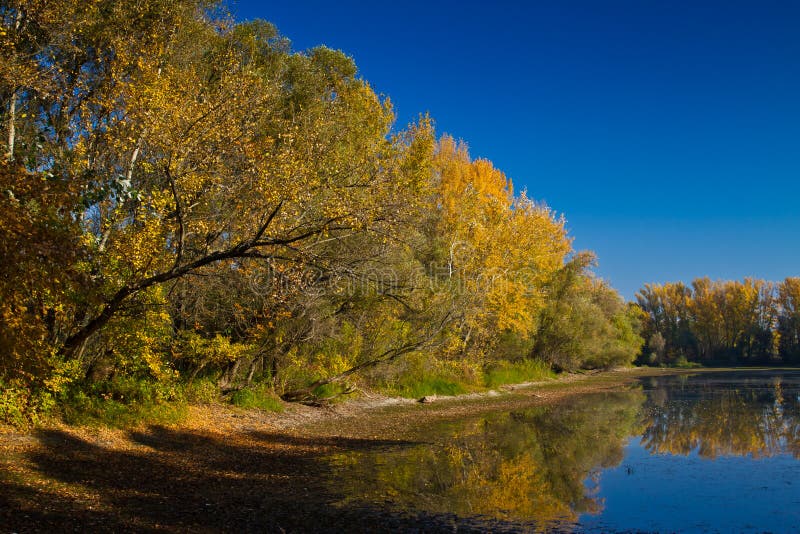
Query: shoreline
<point x="226" y="468"/>
<point x="226" y="418"/>
<point x="222" y="418"/>
<point x="367" y="414"/>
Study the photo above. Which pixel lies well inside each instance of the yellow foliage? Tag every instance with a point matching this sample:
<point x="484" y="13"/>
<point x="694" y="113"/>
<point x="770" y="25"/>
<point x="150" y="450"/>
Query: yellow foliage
<point x="501" y="249"/>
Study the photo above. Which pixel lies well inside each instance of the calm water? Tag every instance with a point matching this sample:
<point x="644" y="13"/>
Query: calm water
<point x="709" y="452"/>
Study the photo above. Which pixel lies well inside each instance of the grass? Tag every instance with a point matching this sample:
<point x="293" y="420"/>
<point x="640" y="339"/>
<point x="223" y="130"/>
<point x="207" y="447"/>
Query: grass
<point x="124" y="403"/>
<point x="517" y="373"/>
<point x="682" y="363"/>
<point x="417" y="387"/>
<point x="421" y="384"/>
<point x="258" y="396"/>
<point x="85" y="410"/>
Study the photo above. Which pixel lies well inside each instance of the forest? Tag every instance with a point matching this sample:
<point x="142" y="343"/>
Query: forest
<point x="191" y="210"/>
<point x="721" y="322"/>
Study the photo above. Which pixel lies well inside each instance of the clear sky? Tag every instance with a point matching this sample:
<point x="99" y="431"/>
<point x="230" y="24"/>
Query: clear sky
<point x="667" y="133"/>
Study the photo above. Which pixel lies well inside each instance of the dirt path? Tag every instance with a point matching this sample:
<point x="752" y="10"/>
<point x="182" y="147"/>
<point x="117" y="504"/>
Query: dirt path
<point x="226" y="469"/>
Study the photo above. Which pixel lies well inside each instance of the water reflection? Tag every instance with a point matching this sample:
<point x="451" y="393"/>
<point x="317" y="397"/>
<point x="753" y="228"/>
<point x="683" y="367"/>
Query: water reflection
<point x="528" y="465"/>
<point x="565" y="465"/>
<point x="716" y="415"/>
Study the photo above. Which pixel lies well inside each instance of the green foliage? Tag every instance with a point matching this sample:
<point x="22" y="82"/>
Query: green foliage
<point x="135" y="344"/>
<point x="683" y="363"/>
<point x="586" y="325"/>
<point x="502" y="373"/>
<point x="194" y="353"/>
<point x="421" y="374"/>
<point x="124" y="402"/>
<point x="259" y="396"/>
<point x="20" y="407"/>
<point x="202" y="391"/>
<point x="13" y="404"/>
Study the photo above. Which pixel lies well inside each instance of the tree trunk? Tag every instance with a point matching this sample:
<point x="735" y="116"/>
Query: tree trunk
<point x="73" y="343"/>
<point x="228" y="378"/>
<point x="12" y="117"/>
<point x="12" y="107"/>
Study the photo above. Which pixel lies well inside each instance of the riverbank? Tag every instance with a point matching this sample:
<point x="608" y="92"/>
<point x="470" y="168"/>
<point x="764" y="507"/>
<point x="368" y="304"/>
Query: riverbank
<point x="225" y="468"/>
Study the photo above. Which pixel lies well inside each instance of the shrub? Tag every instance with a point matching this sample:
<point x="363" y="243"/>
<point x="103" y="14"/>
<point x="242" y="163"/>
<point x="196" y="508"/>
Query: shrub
<point x="416" y="387"/>
<point x="123" y="402"/>
<point x="202" y="391"/>
<point x="14" y="406"/>
<point x="259" y="396"/>
<point x="683" y="363"/>
<point x="22" y="406"/>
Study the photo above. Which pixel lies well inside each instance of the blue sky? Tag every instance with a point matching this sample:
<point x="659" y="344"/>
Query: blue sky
<point x="667" y="133"/>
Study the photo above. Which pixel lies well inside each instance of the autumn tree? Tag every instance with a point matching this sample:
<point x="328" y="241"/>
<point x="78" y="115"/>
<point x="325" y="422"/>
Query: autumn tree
<point x="585" y="323"/>
<point x="190" y="148"/>
<point x="666" y="311"/>
<point x="65" y="70"/>
<point x="187" y="197"/>
<point x="788" y="328"/>
<point x="493" y="251"/>
<point x="716" y="321"/>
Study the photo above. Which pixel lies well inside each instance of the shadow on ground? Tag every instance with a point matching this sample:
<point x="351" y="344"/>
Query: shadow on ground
<point x="179" y="481"/>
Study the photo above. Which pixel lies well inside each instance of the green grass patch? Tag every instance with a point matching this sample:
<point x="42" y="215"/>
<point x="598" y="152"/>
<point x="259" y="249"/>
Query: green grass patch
<point x="124" y="403"/>
<point x="517" y="373"/>
<point x="417" y="387"/>
<point x="683" y="363"/>
<point x="259" y="396"/>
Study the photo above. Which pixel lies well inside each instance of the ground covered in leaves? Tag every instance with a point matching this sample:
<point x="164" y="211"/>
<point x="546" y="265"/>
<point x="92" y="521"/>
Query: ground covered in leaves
<point x="226" y="469"/>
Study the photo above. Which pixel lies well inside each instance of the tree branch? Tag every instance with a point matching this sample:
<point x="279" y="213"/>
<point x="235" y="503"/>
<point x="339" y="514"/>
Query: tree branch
<point x="73" y="343"/>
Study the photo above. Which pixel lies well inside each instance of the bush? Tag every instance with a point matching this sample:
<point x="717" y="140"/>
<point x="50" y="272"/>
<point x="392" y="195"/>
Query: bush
<point x="420" y="374"/>
<point x="22" y="406"/>
<point x="683" y="363"/>
<point x="123" y="402"/>
<point x="259" y="396"/>
<point x="14" y="406"/>
<point x="202" y="391"/>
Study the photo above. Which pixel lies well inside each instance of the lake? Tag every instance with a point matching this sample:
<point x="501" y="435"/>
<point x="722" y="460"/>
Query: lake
<point x="710" y="451"/>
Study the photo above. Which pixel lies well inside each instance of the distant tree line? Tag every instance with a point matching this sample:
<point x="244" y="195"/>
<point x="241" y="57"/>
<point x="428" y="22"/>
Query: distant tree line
<point x="738" y="322"/>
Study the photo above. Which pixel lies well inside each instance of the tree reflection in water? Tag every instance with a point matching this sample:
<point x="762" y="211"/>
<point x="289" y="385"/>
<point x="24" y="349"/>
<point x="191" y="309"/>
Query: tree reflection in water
<point x="755" y="417"/>
<point x="542" y="465"/>
<point x="530" y="465"/>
